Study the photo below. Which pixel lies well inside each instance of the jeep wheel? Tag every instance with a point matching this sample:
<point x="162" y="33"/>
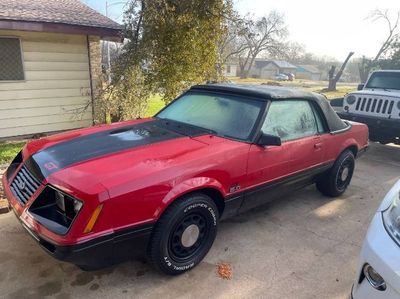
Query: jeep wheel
<point x="335" y="181"/>
<point x="184" y="234"/>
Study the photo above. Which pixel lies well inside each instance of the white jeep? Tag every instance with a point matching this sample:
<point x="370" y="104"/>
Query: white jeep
<point x="377" y="104"/>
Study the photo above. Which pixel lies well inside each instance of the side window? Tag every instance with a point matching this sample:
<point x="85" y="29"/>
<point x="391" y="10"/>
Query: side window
<point x="320" y="124"/>
<point x="291" y="119"/>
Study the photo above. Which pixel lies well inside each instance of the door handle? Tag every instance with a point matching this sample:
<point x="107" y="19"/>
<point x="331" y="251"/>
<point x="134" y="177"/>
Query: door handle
<point x="318" y="145"/>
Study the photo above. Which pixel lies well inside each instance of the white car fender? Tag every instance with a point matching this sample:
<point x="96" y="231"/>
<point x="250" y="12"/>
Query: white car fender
<point x="389" y="197"/>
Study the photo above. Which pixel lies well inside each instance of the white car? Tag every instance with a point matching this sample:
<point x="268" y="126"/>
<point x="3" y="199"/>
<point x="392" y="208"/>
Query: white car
<point x="378" y="275"/>
<point x="281" y="77"/>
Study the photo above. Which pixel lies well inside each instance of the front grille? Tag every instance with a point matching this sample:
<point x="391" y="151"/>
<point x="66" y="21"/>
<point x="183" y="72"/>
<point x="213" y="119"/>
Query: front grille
<point x="24" y="185"/>
<point x="373" y="105"/>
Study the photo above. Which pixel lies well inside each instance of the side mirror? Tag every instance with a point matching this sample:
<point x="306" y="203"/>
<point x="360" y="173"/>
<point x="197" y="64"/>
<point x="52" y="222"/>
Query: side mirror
<point x="266" y="139"/>
<point x="360" y="86"/>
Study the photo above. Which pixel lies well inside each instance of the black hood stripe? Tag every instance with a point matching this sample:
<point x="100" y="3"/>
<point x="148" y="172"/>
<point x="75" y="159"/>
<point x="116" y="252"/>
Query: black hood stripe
<point x="64" y="154"/>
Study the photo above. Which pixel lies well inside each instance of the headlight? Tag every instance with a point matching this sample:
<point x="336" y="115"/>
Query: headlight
<point x="55" y="210"/>
<point x="68" y="206"/>
<point x="351" y="99"/>
<point x="60" y="201"/>
<point x="391" y="218"/>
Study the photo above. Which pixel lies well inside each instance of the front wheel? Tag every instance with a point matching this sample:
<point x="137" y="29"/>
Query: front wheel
<point x="184" y="234"/>
<point x="334" y="183"/>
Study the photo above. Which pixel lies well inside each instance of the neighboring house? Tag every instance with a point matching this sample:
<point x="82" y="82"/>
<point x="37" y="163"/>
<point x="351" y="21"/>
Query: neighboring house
<point x="50" y="64"/>
<point x="267" y="69"/>
<point x="309" y="72"/>
<point x="231" y="68"/>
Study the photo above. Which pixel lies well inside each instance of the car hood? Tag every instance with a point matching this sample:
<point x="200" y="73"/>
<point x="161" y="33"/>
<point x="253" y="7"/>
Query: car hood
<point x="91" y="157"/>
<point x="377" y="92"/>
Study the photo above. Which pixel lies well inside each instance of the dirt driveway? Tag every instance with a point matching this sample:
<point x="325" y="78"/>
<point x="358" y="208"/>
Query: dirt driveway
<point x="302" y="246"/>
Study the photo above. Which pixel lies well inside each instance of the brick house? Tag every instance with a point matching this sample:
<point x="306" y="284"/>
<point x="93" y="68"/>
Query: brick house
<point x="50" y="64"/>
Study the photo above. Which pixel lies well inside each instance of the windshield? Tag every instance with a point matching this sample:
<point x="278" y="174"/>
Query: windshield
<point x="384" y="80"/>
<point x="228" y="116"/>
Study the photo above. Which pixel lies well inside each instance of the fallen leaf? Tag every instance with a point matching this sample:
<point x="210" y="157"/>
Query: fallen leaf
<point x="224" y="270"/>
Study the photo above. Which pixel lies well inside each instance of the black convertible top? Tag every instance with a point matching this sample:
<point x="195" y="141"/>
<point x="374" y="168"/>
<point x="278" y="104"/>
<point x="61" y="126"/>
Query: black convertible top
<point x="268" y="93"/>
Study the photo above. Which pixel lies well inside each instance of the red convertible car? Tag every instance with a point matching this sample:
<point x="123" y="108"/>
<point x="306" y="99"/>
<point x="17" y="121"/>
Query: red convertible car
<point x="160" y="186"/>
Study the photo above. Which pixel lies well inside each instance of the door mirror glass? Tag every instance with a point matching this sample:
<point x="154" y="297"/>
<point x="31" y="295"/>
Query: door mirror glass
<point x="266" y="139"/>
<point x="360" y="86"/>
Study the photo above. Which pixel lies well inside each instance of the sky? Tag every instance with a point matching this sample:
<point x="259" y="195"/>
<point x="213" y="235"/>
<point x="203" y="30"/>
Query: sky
<point x="325" y="28"/>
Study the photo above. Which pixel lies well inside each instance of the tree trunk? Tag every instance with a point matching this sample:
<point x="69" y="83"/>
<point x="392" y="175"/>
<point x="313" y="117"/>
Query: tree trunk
<point x="334" y="79"/>
<point x="331" y="78"/>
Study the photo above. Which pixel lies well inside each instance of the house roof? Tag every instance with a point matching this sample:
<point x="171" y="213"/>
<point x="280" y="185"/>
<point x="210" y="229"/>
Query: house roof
<point x="49" y="13"/>
<point x="260" y="63"/>
<point x="283" y="64"/>
<point x="310" y="69"/>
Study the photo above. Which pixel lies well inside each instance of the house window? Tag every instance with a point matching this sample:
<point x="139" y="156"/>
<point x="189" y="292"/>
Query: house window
<point x="11" y="67"/>
<point x="228" y="68"/>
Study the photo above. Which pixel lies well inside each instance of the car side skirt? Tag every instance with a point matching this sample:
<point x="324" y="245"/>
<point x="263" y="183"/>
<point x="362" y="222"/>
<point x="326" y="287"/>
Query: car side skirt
<point x="253" y="197"/>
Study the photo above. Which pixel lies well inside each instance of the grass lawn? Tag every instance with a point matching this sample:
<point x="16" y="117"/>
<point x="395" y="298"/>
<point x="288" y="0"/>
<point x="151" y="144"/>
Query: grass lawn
<point x="155" y="105"/>
<point x="8" y="150"/>
<point x="306" y="85"/>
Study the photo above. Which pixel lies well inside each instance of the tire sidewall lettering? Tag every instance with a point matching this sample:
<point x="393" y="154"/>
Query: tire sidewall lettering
<point x="178" y="268"/>
<point x="203" y="206"/>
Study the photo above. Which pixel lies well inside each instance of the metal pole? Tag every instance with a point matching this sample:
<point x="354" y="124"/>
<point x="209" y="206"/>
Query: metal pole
<point x="108" y="51"/>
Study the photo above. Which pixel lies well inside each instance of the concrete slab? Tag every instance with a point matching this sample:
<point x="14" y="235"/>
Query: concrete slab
<point x="301" y="246"/>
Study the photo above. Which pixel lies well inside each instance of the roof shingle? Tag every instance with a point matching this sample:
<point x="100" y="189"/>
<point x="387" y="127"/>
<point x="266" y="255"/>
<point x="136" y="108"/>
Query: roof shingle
<point x="70" y="12"/>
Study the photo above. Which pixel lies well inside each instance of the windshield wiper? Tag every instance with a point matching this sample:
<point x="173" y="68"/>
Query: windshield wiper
<point x="174" y="124"/>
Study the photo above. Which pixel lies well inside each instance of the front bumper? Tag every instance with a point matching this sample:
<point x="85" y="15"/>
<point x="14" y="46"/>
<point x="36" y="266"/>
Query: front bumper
<point x="102" y="251"/>
<point x="95" y="253"/>
<point x="383" y="254"/>
<point x="379" y="128"/>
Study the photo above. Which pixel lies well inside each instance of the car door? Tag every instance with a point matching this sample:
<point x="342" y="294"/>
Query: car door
<point x="274" y="170"/>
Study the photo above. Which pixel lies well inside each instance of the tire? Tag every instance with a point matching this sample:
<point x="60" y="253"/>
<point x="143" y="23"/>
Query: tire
<point x="184" y="234"/>
<point x="336" y="180"/>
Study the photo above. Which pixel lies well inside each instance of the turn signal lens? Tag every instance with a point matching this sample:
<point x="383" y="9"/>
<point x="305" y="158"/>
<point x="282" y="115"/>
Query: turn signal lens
<point x="93" y="219"/>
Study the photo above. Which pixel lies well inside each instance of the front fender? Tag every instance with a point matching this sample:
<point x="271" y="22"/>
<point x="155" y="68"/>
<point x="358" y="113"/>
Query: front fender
<point x="186" y="187"/>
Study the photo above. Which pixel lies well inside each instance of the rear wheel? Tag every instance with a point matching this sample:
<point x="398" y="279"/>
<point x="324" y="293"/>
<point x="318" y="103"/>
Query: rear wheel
<point x="335" y="181"/>
<point x="184" y="234"/>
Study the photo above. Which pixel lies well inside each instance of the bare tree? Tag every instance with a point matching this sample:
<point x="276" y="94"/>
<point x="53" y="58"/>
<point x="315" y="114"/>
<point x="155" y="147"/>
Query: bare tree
<point x="293" y="52"/>
<point x="333" y="79"/>
<point x="266" y="34"/>
<point x="392" y="36"/>
<point x="232" y="43"/>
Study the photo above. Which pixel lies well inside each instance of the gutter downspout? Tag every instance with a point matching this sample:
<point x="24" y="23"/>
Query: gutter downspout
<point x="90" y="78"/>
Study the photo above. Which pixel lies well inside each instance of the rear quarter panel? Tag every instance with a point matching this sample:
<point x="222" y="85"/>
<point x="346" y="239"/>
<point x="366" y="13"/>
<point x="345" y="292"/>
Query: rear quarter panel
<point x="356" y="137"/>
